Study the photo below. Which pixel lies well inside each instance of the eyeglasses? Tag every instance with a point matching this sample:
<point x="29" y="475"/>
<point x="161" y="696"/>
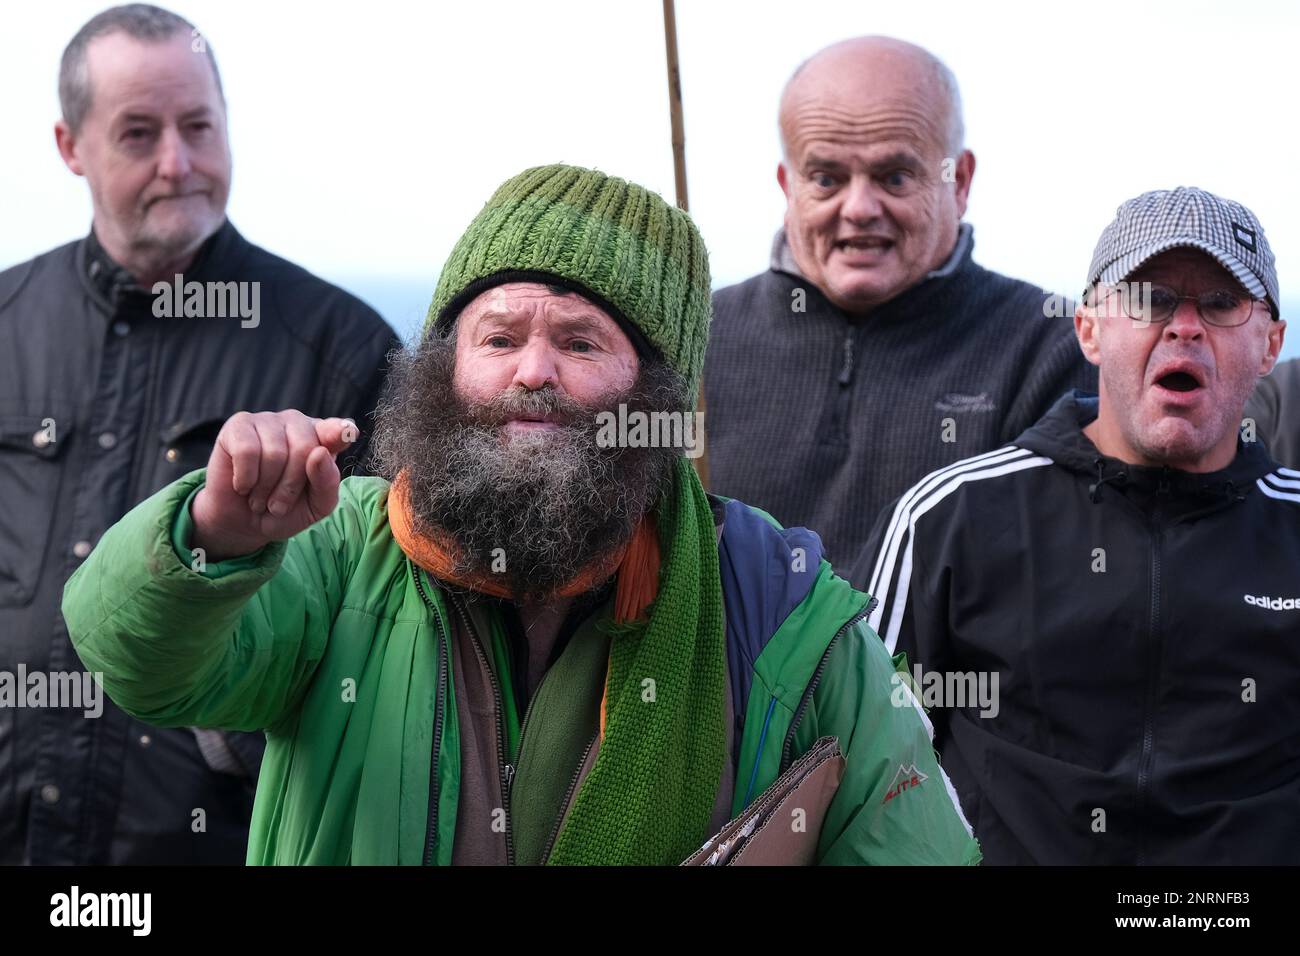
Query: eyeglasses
<point x="1150" y="303"/>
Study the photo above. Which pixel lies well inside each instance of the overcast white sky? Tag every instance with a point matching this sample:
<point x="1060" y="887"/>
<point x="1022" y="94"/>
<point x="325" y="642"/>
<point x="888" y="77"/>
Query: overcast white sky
<point x="366" y="135"/>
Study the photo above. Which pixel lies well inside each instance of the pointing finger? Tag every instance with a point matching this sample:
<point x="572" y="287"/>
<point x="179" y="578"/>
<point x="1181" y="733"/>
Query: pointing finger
<point x="337" y="434"/>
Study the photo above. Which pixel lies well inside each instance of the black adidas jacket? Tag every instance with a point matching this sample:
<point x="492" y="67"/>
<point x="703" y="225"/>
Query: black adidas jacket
<point x="1143" y="625"/>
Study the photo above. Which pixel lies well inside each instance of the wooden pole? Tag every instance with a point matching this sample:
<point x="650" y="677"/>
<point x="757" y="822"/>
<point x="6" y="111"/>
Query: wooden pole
<point x="675" y="103"/>
<point x="679" y="172"/>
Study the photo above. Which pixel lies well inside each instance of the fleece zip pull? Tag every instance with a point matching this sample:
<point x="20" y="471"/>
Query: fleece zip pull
<point x="846" y="366"/>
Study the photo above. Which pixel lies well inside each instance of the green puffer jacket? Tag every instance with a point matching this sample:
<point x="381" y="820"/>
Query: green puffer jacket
<point x="271" y="642"/>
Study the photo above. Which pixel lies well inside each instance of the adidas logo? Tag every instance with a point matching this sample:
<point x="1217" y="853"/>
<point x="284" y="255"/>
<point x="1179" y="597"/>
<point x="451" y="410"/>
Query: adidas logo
<point x="1273" y="604"/>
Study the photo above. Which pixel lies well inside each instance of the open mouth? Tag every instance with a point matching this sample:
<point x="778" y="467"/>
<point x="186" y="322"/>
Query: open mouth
<point x="864" y="244"/>
<point x="1181" y="379"/>
<point x="1179" y="382"/>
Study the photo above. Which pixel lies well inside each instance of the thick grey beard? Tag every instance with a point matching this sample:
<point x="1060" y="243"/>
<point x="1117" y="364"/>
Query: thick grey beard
<point x="531" y="510"/>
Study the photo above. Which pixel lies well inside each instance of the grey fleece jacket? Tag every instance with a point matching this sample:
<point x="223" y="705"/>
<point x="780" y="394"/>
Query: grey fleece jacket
<point x="822" y="418"/>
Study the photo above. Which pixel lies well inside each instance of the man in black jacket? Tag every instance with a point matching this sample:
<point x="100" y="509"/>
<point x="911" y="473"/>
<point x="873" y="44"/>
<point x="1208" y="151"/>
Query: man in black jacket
<point x="1104" y="616"/>
<point x="875" y="348"/>
<point x="120" y="356"/>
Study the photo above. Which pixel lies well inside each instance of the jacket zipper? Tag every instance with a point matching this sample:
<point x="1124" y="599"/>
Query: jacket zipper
<point x="837" y="425"/>
<point x="568" y="794"/>
<point x="1153" y="665"/>
<point x="431" y="838"/>
<point x="142" y="440"/>
<point x="846" y="364"/>
<point x="507" y="773"/>
<point x="523" y="735"/>
<point x="786" y="759"/>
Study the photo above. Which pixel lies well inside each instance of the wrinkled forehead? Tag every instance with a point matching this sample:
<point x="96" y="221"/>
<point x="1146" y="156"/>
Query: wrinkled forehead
<point x="865" y="99"/>
<point x="534" y="305"/>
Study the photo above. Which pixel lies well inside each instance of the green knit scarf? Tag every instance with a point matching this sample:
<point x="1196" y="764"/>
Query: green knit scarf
<point x="650" y="794"/>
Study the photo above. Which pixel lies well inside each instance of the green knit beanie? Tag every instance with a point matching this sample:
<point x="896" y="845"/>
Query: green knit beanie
<point x="615" y="242"/>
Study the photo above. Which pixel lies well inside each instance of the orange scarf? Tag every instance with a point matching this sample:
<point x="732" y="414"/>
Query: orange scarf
<point x="636" y="563"/>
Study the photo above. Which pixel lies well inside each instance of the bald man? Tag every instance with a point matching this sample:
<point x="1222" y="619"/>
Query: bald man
<point x="873" y="350"/>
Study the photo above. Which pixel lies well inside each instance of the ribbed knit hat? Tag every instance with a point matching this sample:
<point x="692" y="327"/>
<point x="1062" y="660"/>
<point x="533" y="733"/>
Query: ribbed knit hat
<point x="615" y="242"/>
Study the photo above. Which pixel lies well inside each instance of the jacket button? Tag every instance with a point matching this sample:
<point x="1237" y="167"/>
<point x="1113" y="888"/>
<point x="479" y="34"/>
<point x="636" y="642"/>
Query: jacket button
<point x="50" y="793"/>
<point x="41" y="438"/>
<point x="121" y="328"/>
<point x="81" y="549"/>
<point x="145" y="740"/>
<point x="172" y="454"/>
<point x="107" y="440"/>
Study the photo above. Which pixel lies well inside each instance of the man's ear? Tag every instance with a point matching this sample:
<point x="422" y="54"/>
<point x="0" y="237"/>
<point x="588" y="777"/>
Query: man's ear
<point x="1087" y="329"/>
<point x="964" y="172"/>
<point x="1276" y="334"/>
<point x="783" y="178"/>
<point x="66" y="141"/>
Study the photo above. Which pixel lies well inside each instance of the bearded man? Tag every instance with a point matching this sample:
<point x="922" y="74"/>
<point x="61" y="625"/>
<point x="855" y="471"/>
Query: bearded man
<point x="525" y="643"/>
